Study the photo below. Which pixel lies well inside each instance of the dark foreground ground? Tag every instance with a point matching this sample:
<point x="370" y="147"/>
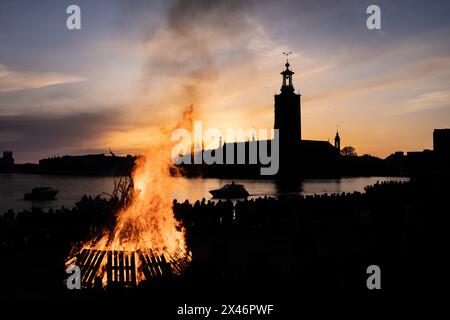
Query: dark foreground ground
<point x="270" y="251"/>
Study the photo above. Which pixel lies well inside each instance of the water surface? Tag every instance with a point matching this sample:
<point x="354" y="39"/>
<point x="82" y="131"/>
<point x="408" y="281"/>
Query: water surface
<point x="72" y="188"/>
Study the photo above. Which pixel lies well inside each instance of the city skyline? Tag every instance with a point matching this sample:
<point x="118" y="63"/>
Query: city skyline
<point x="134" y="67"/>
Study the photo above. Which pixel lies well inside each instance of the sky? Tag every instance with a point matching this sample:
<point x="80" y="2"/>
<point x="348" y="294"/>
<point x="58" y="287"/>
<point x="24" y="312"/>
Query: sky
<point x="136" y="65"/>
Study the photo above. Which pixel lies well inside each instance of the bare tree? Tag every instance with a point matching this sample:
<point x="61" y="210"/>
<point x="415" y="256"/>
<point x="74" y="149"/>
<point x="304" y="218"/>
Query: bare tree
<point x="349" y="151"/>
<point x="123" y="190"/>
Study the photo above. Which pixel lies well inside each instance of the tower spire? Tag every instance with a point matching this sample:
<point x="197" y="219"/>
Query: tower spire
<point x="287" y="84"/>
<point x="337" y="139"/>
<point x="288" y="110"/>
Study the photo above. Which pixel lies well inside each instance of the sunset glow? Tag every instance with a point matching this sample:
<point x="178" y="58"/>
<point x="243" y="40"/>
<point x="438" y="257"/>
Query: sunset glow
<point x="134" y="67"/>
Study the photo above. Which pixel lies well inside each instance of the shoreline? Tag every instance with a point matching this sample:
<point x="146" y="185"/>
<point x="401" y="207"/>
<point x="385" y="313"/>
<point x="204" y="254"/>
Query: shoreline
<point x="199" y="187"/>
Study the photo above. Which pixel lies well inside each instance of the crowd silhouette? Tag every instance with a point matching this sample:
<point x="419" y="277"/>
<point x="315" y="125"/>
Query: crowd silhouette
<point x="313" y="242"/>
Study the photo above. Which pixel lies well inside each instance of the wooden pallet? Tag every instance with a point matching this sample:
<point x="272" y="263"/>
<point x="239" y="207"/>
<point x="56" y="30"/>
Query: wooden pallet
<point x="121" y="266"/>
<point x="121" y="269"/>
<point x="89" y="262"/>
<point x="154" y="266"/>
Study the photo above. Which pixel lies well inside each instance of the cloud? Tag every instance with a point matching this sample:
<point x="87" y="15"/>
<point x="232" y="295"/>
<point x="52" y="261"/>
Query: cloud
<point x="425" y="102"/>
<point x="18" y="80"/>
<point x="224" y="57"/>
<point x="419" y="72"/>
<point x="34" y="136"/>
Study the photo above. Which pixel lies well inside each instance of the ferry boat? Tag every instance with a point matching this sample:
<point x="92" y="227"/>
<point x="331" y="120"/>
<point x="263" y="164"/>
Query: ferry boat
<point x="230" y="191"/>
<point x="41" y="194"/>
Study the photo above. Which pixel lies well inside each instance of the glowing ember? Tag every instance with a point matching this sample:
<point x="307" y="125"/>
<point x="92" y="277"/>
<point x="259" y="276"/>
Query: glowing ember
<point x="146" y="241"/>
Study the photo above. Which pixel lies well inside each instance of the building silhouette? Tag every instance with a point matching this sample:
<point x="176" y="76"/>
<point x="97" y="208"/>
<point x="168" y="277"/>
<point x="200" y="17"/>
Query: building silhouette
<point x="297" y="157"/>
<point x="7" y="162"/>
<point x="91" y="164"/>
<point x="288" y="110"/>
<point x="441" y="141"/>
<point x="425" y="162"/>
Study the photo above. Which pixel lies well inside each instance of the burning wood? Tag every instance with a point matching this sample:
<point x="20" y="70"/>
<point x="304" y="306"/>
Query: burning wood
<point x="145" y="241"/>
<point x="119" y="269"/>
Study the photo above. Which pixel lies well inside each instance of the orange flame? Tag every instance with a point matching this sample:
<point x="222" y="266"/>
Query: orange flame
<point x="148" y="223"/>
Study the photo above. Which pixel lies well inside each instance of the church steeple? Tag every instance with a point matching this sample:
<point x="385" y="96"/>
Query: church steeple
<point x="337" y="140"/>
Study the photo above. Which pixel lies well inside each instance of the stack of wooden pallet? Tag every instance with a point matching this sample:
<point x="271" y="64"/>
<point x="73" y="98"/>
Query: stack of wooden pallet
<point x="121" y="267"/>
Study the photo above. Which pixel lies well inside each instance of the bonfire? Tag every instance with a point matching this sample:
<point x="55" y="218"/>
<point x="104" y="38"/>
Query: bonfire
<point x="146" y="241"/>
